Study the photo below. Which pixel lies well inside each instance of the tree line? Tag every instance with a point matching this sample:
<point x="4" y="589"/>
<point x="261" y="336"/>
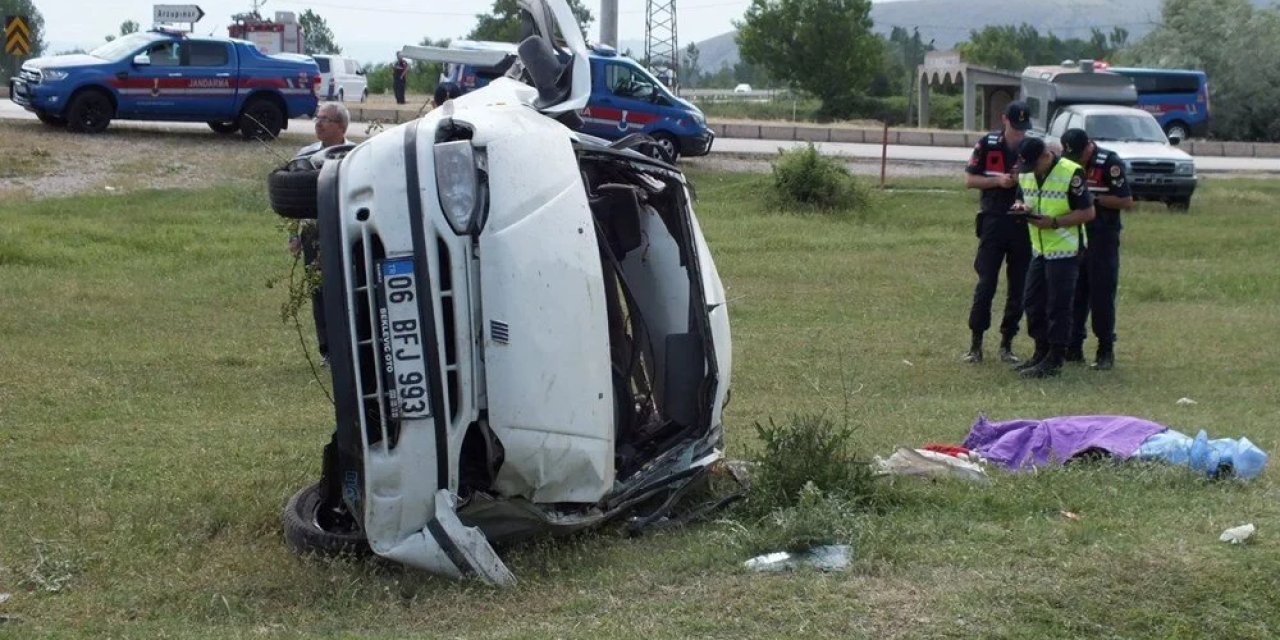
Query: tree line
<point x="826" y="48"/>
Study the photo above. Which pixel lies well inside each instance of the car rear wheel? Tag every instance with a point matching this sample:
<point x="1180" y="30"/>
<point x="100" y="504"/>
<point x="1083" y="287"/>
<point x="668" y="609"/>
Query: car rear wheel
<point x="224" y="127"/>
<point x="293" y="192"/>
<point x="261" y="120"/>
<point x="90" y="112"/>
<point x="309" y="527"/>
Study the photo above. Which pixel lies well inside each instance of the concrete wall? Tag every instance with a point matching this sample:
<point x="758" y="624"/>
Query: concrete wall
<point x="928" y="138"/>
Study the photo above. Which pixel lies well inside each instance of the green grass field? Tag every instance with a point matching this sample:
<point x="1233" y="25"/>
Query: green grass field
<point x="155" y="414"/>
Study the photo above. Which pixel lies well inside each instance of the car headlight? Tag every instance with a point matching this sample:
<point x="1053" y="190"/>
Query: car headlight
<point x="458" y="183"/>
<point x="52" y="75"/>
<point x="1186" y="168"/>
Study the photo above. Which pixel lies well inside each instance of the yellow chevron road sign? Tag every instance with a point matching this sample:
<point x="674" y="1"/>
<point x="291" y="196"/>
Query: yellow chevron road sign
<point x="17" y="36"/>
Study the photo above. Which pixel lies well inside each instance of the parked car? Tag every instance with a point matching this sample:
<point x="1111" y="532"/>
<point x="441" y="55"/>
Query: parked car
<point x="1157" y="170"/>
<point x="341" y="78"/>
<point x="742" y="88"/>
<point x="527" y="333"/>
<point x="169" y="75"/>
<point x="1178" y="98"/>
<point x="625" y="97"/>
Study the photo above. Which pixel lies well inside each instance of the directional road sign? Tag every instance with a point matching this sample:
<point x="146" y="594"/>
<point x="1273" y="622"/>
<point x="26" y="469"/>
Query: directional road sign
<point x="168" y="13"/>
<point x="17" y="36"/>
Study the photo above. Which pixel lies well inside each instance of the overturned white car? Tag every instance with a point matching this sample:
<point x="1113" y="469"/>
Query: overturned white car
<point x="526" y="331"/>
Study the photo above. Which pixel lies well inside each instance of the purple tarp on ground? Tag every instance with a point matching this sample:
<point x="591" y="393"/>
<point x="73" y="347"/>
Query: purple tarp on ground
<point x="1021" y="443"/>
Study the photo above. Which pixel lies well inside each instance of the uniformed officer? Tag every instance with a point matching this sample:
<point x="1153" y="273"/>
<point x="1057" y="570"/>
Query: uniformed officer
<point x="1001" y="239"/>
<point x="1057" y="202"/>
<point x="1100" y="268"/>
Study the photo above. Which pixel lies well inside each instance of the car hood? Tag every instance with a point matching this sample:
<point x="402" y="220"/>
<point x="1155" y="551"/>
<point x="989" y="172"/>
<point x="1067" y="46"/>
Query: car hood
<point x="69" y="60"/>
<point x="1145" y="150"/>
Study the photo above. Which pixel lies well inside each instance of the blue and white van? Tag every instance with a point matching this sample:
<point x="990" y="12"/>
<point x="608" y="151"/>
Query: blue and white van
<point x="625" y="98"/>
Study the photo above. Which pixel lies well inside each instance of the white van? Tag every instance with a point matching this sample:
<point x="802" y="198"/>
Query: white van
<point x="341" y="79"/>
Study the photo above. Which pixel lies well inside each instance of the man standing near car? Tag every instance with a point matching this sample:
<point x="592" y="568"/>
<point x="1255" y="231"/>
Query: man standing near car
<point x="1100" y="268"/>
<point x="1001" y="238"/>
<point x="332" y="120"/>
<point x="1053" y="194"/>
<point x="400" y="76"/>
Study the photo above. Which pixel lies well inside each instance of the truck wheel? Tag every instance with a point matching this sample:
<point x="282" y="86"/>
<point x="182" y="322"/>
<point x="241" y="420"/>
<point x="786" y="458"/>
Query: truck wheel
<point x="304" y="532"/>
<point x="670" y="148"/>
<point x="261" y="120"/>
<point x="90" y="112"/>
<point x="223" y="127"/>
<point x="51" y="120"/>
<point x="1178" y="129"/>
<point x="293" y="193"/>
<point x="342" y="95"/>
<point x="364" y="96"/>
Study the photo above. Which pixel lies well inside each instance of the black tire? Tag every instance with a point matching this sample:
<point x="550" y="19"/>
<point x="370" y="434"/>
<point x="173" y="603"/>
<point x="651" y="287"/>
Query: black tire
<point x="261" y="120"/>
<point x="90" y="112"/>
<point x="293" y="193"/>
<point x="224" y="127"/>
<point x="1180" y="204"/>
<point x="1180" y="128"/>
<point x="51" y="120"/>
<point x="670" y="147"/>
<point x="342" y="95"/>
<point x="364" y="96"/>
<point x="303" y="533"/>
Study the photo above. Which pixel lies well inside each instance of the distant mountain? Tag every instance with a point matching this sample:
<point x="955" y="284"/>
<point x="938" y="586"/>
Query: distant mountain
<point x="948" y="22"/>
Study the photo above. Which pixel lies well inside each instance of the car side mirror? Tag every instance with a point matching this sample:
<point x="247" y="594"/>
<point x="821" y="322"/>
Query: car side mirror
<point x="142" y="60"/>
<point x="1175" y="139"/>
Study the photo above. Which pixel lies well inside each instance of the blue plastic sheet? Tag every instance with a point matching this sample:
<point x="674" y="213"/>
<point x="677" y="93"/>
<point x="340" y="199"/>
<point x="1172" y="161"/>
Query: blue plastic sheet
<point x="1239" y="458"/>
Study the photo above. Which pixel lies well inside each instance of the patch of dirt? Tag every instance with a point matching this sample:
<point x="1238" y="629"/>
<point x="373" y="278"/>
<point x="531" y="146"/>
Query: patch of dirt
<point x="124" y="159"/>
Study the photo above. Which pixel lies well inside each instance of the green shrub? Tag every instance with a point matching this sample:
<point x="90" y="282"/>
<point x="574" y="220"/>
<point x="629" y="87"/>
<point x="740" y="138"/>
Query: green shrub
<point x="807" y="179"/>
<point x="816" y="519"/>
<point x="812" y="453"/>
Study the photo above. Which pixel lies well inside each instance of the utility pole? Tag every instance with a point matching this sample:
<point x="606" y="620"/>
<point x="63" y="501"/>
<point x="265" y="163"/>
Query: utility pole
<point x="609" y="22"/>
<point x="661" y="47"/>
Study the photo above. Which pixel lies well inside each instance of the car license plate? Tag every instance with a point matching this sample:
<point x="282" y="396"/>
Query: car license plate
<point x="404" y="366"/>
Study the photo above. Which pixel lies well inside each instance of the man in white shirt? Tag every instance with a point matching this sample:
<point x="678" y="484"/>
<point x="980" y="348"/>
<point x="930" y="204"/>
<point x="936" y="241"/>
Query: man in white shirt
<point x="332" y="119"/>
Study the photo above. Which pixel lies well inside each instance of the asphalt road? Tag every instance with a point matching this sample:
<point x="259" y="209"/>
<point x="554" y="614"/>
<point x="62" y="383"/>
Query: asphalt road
<point x="731" y="146"/>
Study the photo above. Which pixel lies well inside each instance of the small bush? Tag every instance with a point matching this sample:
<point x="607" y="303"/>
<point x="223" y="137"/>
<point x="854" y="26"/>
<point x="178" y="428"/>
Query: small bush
<point x="810" y="454"/>
<point x="807" y="179"/>
<point x="815" y="519"/>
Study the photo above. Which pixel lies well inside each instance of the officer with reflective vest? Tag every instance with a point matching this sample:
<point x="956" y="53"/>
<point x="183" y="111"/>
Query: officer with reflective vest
<point x="1055" y="201"/>
<point x="1100" y="268"/>
<point x="1001" y="238"/>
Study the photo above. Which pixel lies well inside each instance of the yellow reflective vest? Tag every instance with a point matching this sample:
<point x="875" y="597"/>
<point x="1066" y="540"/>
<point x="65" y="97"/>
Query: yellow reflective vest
<point x="1050" y="199"/>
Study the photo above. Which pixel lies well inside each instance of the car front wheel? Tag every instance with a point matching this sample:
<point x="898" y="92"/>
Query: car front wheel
<point x="311" y="527"/>
<point x="90" y="112"/>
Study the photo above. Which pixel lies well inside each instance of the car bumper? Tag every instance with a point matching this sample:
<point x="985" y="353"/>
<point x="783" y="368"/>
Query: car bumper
<point x="697" y="145"/>
<point x="1161" y="186"/>
<point x="35" y="98"/>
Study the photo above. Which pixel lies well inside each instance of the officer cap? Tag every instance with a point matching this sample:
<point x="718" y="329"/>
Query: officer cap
<point x="1019" y="115"/>
<point x="1029" y="152"/>
<point x="1074" y="141"/>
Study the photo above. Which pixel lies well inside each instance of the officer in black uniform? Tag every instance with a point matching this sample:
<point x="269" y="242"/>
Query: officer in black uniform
<point x="1100" y="269"/>
<point x="1001" y="238"/>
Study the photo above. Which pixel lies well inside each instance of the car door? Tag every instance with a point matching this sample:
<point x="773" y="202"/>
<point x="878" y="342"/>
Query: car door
<point x="152" y="88"/>
<point x="624" y="104"/>
<point x="211" y="74"/>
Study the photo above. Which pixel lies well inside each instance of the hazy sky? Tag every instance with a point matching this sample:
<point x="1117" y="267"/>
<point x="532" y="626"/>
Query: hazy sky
<point x="369" y="30"/>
